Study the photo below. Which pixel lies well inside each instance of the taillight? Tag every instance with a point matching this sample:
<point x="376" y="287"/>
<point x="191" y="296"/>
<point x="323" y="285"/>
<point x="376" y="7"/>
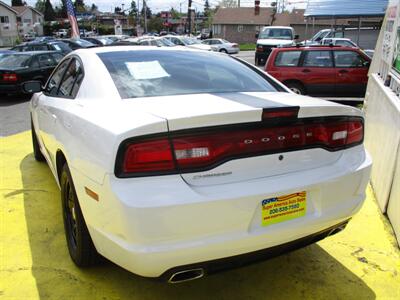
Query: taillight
<point x="148" y="156"/>
<point x="10" y="77"/>
<point x="235" y="46"/>
<point x="192" y="152"/>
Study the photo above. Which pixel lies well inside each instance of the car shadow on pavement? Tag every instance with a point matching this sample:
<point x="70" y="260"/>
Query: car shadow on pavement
<point x="306" y="273"/>
<point x="8" y="100"/>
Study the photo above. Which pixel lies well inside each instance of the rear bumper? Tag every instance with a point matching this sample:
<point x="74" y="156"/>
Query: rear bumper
<point x="10" y="88"/>
<point x="223" y="264"/>
<point x="153" y="225"/>
<point x="233" y="50"/>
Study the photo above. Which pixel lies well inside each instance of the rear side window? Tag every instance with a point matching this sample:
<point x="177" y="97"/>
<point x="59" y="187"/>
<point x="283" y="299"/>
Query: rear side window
<point x="72" y="79"/>
<point x="34" y="63"/>
<point x="61" y="47"/>
<point x="45" y="60"/>
<point x="321" y="59"/>
<point x="348" y="59"/>
<point x="57" y="57"/>
<point x="288" y="59"/>
<point x="344" y="43"/>
<point x="55" y="79"/>
<point x="40" y="48"/>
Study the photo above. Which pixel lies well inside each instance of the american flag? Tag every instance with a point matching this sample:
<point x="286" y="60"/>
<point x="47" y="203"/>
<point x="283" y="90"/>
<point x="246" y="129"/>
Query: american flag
<point x="72" y="20"/>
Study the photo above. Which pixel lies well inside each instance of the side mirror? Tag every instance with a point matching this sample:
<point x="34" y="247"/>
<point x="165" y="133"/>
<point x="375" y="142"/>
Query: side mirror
<point x="30" y="87"/>
<point x="256" y="35"/>
<point x="296" y="37"/>
<point x="367" y="64"/>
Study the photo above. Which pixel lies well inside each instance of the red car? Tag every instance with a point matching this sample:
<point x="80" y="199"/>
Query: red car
<point x="321" y="70"/>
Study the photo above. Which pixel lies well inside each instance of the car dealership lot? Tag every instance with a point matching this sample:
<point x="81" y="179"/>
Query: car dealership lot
<point x="362" y="262"/>
<point x="363" y="258"/>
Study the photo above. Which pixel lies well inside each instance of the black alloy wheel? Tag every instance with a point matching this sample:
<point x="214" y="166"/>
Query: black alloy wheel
<point x="79" y="242"/>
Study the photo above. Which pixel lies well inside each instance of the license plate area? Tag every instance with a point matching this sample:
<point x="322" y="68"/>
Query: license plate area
<point x="283" y="208"/>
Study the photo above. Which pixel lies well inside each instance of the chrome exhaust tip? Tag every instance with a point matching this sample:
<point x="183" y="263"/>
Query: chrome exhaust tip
<point x="186" y="275"/>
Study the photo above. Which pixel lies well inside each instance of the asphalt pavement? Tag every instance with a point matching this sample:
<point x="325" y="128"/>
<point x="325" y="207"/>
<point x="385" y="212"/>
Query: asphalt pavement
<point x="14" y="115"/>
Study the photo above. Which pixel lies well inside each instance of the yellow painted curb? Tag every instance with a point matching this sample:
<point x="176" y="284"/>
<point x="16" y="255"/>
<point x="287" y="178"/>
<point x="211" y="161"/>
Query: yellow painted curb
<point x="363" y="262"/>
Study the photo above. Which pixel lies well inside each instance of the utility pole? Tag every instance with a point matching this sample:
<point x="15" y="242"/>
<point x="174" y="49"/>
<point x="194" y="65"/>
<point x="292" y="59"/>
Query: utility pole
<point x="138" y="18"/>
<point x="238" y="3"/>
<point x="190" y="16"/>
<point x="145" y="15"/>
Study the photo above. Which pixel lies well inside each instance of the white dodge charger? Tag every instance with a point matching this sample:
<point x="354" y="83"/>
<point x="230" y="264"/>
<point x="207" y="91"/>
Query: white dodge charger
<point x="177" y="163"/>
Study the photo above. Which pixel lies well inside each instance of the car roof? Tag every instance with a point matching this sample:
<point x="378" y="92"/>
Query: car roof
<point x="279" y="27"/>
<point x="96" y="50"/>
<point x="338" y="39"/>
<point x="32" y="52"/>
<point x="316" y="47"/>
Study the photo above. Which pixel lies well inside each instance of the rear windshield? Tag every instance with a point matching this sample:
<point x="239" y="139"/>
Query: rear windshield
<point x="148" y="73"/>
<point x="14" y="60"/>
<point x="83" y="43"/>
<point x="61" y="47"/>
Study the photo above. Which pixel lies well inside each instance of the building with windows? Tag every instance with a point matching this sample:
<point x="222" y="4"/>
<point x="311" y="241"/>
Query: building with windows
<point x="8" y="25"/>
<point x="239" y="24"/>
<point x="15" y="21"/>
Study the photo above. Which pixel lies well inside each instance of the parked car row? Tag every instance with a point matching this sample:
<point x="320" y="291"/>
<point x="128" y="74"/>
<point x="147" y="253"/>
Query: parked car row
<point x="33" y="66"/>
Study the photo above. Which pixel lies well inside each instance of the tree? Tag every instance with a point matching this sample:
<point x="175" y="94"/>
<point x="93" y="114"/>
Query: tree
<point x="118" y="10"/>
<point x="133" y="10"/>
<point x="206" y="8"/>
<point x="175" y="14"/>
<point x="17" y="3"/>
<point x="79" y="6"/>
<point x="155" y="24"/>
<point x="49" y="14"/>
<point x="228" y="3"/>
<point x="40" y="4"/>
<point x="62" y="11"/>
<point x="149" y="13"/>
<point x="93" y="7"/>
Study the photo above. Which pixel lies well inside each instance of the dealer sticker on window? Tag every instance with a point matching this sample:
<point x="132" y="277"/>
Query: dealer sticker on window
<point x="283" y="208"/>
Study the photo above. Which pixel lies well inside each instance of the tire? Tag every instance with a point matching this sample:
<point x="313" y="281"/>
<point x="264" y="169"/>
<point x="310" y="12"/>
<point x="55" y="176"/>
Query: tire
<point x="79" y="242"/>
<point x="259" y="61"/>
<point x="223" y="51"/>
<point x="36" y="147"/>
<point x="296" y="88"/>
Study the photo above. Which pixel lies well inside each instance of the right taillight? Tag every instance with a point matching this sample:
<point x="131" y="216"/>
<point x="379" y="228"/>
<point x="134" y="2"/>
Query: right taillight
<point x="199" y="151"/>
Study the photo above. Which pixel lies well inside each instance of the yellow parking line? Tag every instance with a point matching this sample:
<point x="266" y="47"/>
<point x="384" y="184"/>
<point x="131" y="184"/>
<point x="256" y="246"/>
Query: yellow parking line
<point x="363" y="262"/>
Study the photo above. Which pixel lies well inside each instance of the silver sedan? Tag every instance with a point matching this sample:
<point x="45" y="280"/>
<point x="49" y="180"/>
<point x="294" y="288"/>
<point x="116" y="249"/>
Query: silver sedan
<point x="222" y="45"/>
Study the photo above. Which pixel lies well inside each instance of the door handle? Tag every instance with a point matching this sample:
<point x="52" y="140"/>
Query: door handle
<point x="343" y="71"/>
<point x="306" y="71"/>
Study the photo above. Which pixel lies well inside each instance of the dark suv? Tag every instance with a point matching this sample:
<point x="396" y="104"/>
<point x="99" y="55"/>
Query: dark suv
<point x="321" y="70"/>
<point x="51" y="45"/>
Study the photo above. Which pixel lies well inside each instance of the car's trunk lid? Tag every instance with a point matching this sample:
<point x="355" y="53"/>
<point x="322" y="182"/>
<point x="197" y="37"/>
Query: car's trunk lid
<point x="186" y="114"/>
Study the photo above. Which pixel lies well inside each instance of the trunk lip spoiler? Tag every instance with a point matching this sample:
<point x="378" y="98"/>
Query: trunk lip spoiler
<point x="118" y="167"/>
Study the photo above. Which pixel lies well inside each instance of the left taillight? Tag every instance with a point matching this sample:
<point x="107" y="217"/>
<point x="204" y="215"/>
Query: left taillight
<point x="10" y="77"/>
<point x="148" y="156"/>
<point x="199" y="151"/>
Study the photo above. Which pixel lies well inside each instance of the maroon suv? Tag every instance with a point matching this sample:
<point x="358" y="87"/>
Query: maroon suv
<point x="321" y="70"/>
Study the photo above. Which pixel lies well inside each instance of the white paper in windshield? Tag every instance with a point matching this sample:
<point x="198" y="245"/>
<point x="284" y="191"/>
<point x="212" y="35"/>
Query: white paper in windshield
<point x="146" y="70"/>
